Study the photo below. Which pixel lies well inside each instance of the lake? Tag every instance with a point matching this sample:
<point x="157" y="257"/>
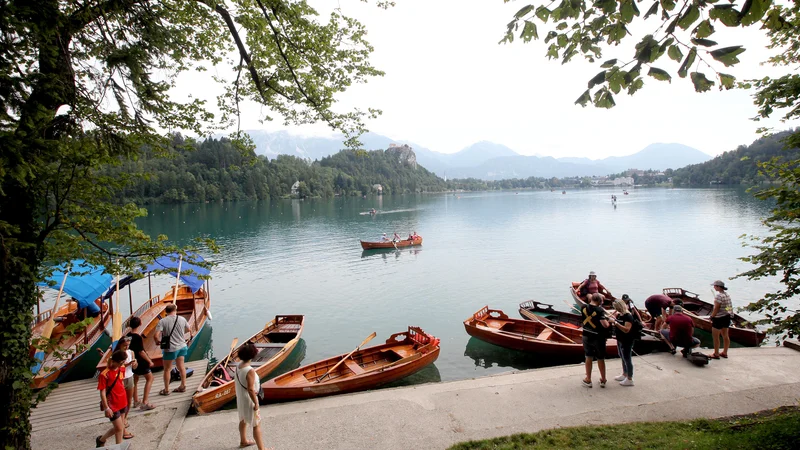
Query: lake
<point x="498" y="248"/>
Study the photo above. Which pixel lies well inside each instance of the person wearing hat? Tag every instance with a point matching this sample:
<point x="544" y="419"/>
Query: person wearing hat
<point x="681" y="331"/>
<point x="384" y="238"/>
<point x="591" y="286"/>
<point x="632" y="307"/>
<point x="721" y="319"/>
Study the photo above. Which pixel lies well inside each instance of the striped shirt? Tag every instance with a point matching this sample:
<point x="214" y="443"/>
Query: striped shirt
<point x="725" y="305"/>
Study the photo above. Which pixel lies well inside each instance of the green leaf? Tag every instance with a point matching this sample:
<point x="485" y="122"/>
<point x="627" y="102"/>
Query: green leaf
<point x="701" y="83"/>
<point x="726" y="81"/>
<point x="704" y="42"/>
<point x="671" y="27"/>
<point x="653" y="9"/>
<point x="562" y="26"/>
<point x="616" y="33"/>
<point x="583" y="99"/>
<point x="703" y="30"/>
<point x="659" y="74"/>
<point x="604" y="99"/>
<point x="675" y="53"/>
<point x="550" y="36"/>
<point x="635" y="86"/>
<point x="774" y="21"/>
<point x="600" y="78"/>
<point x="627" y="10"/>
<point x="726" y="14"/>
<point x="524" y="11"/>
<point x="647" y="50"/>
<point x="668" y="5"/>
<point x="689" y="17"/>
<point x="728" y="55"/>
<point x="608" y="6"/>
<point x="753" y="11"/>
<point x="543" y="13"/>
<point x="561" y="40"/>
<point x="687" y="62"/>
<point x="529" y="32"/>
<point x="609" y="63"/>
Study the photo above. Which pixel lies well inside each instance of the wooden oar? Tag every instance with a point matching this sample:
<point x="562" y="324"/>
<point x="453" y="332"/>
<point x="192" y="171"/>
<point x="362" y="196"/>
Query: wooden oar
<point x="48" y="327"/>
<point x="177" y="281"/>
<point x="552" y="329"/>
<point x="364" y="342"/>
<point x="233" y="346"/>
<point x="116" y="319"/>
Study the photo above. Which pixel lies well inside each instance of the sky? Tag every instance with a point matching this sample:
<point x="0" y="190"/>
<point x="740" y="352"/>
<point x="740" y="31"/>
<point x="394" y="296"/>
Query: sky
<point x="449" y="84"/>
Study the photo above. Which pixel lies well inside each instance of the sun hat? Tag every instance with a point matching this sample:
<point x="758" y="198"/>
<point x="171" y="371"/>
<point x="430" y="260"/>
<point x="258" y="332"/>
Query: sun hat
<point x="677" y="308"/>
<point x="625" y="297"/>
<point x="125" y="338"/>
<point x="720" y="284"/>
<point x="592" y="274"/>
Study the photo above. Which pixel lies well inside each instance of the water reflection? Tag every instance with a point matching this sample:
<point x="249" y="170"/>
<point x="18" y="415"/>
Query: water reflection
<point x="429" y="374"/>
<point x="488" y="355"/>
<point x="293" y="361"/>
<point x="385" y="252"/>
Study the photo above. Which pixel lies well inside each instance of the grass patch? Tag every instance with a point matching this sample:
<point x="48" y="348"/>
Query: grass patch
<point x="766" y="430"/>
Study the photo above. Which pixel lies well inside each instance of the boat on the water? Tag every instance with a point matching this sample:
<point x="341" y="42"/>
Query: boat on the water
<point x="57" y="346"/>
<point x="741" y="331"/>
<point x="580" y="300"/>
<point x="391" y="244"/>
<point x="402" y="355"/>
<point x="274" y="343"/>
<point x="649" y="342"/>
<point x="543" y="338"/>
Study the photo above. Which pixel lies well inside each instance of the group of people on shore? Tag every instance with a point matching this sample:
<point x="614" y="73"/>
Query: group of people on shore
<point x="626" y="323"/>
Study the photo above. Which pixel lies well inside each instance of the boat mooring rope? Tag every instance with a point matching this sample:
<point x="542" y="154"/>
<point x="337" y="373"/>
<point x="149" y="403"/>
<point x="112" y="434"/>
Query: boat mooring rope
<point x="648" y="362"/>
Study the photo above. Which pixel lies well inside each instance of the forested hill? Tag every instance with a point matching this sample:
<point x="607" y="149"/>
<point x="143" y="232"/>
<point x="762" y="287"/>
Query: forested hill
<point x="737" y="166"/>
<point x="216" y="170"/>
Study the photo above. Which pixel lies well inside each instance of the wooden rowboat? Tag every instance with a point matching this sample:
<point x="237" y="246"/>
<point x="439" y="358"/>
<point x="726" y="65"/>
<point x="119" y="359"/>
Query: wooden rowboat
<point x="275" y="343"/>
<point x="551" y="340"/>
<point x="389" y="244"/>
<point x="741" y="331"/>
<point x="70" y="348"/>
<point x="573" y="290"/>
<point x="192" y="306"/>
<point x="649" y="342"/>
<point x="402" y="355"/>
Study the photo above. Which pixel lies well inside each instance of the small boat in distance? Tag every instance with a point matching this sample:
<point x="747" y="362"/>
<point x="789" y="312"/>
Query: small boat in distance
<point x="274" y="343"/>
<point x="391" y="244"/>
<point x="402" y="355"/>
<point x="741" y="331"/>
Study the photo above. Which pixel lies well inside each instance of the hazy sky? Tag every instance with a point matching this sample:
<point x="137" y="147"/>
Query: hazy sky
<point x="449" y="84"/>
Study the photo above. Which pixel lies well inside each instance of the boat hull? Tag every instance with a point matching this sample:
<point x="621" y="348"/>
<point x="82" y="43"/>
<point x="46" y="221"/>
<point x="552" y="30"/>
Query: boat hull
<point x="399" y="244"/>
<point x="210" y="398"/>
<point x="366" y="369"/>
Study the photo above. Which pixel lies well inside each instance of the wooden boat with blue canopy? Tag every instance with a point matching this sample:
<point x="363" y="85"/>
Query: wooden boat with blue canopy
<point x="59" y="338"/>
<point x="191" y="297"/>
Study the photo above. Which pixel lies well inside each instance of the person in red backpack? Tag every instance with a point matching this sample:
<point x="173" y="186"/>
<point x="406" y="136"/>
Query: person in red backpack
<point x="113" y="398"/>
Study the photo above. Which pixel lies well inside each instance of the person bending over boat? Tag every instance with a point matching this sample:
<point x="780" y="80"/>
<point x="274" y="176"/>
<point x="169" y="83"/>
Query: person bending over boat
<point x="681" y="331"/>
<point x="623" y="324"/>
<point x="657" y="306"/>
<point x="591" y="286"/>
<point x="247" y="385"/>
<point x="721" y="319"/>
<point x="595" y="334"/>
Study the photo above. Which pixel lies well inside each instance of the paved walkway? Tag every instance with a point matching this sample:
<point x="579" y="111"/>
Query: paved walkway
<point x="437" y="415"/>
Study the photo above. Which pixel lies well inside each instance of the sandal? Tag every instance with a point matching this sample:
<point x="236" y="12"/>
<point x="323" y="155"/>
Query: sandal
<point x="99" y="442"/>
<point x="163" y="392"/>
<point x="127" y="435"/>
<point x="724" y="355"/>
<point x="146" y="407"/>
<point x="713" y="356"/>
<point x="180" y="389"/>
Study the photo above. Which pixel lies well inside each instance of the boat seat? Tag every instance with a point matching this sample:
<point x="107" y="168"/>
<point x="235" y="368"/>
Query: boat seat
<point x="545" y="335"/>
<point x="235" y="364"/>
<point x="269" y="345"/>
<point x="353" y="366"/>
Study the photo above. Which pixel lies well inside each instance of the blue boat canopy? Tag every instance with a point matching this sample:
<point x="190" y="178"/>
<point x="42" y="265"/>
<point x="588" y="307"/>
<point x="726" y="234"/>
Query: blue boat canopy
<point x="85" y="285"/>
<point x="170" y="262"/>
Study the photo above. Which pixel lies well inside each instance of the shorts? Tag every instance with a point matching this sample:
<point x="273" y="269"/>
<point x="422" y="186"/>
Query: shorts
<point x="721" y="322"/>
<point x="172" y="356"/>
<point x="594" y="347"/>
<point x="142" y="369"/>
<point x="653" y="309"/>
<point x="118" y="414"/>
<point x="128" y="383"/>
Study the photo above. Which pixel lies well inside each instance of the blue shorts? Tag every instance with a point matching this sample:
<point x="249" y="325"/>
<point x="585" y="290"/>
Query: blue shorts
<point x="172" y="356"/>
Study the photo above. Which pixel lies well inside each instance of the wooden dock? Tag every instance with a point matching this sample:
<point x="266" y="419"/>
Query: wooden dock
<point x="77" y="402"/>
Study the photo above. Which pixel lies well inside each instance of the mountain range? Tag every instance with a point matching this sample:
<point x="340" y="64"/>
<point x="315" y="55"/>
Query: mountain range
<point x="485" y="160"/>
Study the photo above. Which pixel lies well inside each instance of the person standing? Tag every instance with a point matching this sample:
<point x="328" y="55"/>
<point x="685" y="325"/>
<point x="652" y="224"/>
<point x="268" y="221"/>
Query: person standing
<point x="127" y="379"/>
<point x="113" y="399"/>
<point x="625" y="338"/>
<point x="143" y="367"/>
<point x="247" y="385"/>
<point x="595" y="333"/>
<point x="170" y="331"/>
<point x="721" y="319"/>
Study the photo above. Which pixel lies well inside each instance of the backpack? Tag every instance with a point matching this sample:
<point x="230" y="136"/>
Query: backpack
<point x="636" y="328"/>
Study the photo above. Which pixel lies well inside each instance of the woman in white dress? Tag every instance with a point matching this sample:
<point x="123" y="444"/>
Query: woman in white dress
<point x="247" y="385"/>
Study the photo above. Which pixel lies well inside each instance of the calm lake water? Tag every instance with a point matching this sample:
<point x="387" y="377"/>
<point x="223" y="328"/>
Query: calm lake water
<point x="303" y="257"/>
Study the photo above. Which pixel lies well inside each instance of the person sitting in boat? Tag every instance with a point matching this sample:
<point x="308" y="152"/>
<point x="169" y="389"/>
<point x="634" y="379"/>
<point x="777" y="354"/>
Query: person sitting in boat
<point x="591" y="286"/>
<point x="681" y="331"/>
<point x="384" y="238"/>
<point x="90" y="310"/>
<point x="372" y="211"/>
<point x="396" y="237"/>
<point x="657" y="306"/>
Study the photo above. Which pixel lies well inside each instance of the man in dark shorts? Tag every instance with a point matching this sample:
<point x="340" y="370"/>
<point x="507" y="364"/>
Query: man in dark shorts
<point x="143" y="367"/>
<point x="681" y="331"/>
<point x="595" y="333"/>
<point x="657" y="306"/>
<point x="721" y="319"/>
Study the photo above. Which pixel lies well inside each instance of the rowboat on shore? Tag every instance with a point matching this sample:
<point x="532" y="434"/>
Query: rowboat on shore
<point x="402" y="355"/>
<point x="192" y="299"/>
<point x="651" y="340"/>
<point x="741" y="331"/>
<point x="274" y="343"/>
<point x="546" y="339"/>
<point x="580" y="301"/>
<point x="58" y="344"/>
<point x="389" y="244"/>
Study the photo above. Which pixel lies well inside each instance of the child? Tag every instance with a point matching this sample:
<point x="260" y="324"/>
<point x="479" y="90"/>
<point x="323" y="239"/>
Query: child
<point x="127" y="381"/>
<point x="247" y="384"/>
<point x="113" y="398"/>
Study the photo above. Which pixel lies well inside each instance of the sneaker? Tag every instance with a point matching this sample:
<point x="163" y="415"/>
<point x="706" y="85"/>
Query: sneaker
<point x="602" y="383"/>
<point x="626" y="382"/>
<point x="586" y="384"/>
<point x="620" y="377"/>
